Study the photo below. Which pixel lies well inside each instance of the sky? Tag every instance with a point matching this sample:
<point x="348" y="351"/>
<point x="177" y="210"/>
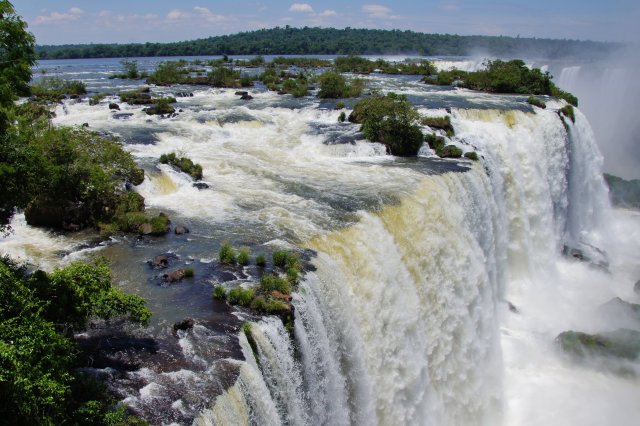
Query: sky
<point x="134" y="21"/>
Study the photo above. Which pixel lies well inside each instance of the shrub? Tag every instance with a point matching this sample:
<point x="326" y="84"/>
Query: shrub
<point x="227" y="254"/>
<point x="292" y="275"/>
<point x="219" y="292"/>
<point x="390" y="120"/>
<point x="342" y="117"/>
<point x="340" y="105"/>
<point x="95" y="99"/>
<point x="279" y="258"/>
<point x="53" y="89"/>
<point x="450" y="151"/>
<point x="162" y="106"/>
<point x="168" y="73"/>
<point x="259" y="304"/>
<point x="159" y="224"/>
<point x="137" y="97"/>
<point x="243" y="256"/>
<point x="189" y="272"/>
<point x="471" y="155"/>
<point x="240" y="296"/>
<point x="224" y="77"/>
<point x="567" y="111"/>
<point x="443" y="123"/>
<point x="296" y="87"/>
<point x="269" y="283"/>
<point x="261" y="260"/>
<point x="532" y="100"/>
<point x="184" y="164"/>
<point x="333" y="85"/>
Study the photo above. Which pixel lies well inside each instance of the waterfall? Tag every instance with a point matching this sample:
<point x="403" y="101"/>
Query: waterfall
<point x="400" y="321"/>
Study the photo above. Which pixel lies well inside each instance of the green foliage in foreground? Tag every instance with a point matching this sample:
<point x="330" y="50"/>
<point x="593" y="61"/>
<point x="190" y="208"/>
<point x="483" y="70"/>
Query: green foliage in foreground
<point x="62" y="176"/>
<point x="38" y="312"/>
<point x="390" y="120"/>
<point x="227" y="254"/>
<point x="184" y="164"/>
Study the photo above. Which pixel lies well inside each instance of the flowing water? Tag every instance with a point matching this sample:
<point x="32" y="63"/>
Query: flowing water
<point x="437" y="286"/>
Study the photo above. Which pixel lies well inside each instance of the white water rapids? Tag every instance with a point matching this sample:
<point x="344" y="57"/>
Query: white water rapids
<point x="406" y="318"/>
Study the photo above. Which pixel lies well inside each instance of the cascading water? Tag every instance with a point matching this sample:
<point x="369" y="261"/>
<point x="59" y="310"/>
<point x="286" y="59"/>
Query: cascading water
<point x="399" y="324"/>
<point x="438" y="287"/>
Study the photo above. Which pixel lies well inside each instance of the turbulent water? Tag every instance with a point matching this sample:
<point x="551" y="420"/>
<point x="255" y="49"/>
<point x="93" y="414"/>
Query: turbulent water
<point x="437" y="288"/>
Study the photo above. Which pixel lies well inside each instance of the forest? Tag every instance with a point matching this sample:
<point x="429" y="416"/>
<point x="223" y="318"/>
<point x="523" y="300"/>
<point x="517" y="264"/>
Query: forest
<point x="316" y="41"/>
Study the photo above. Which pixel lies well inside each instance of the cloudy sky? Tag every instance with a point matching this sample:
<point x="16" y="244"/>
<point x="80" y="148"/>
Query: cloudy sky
<point x="120" y="21"/>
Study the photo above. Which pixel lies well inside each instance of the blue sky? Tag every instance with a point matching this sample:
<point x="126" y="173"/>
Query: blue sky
<point x="83" y="21"/>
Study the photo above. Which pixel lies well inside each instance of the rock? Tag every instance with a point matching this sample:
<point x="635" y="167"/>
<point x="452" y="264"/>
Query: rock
<point x="200" y="185"/>
<point x="246" y="97"/>
<point x="184" y="95"/>
<point x="43" y="211"/>
<point x="450" y="151"/>
<point x="179" y="230"/>
<point x="636" y="287"/>
<point x="85" y="124"/>
<point x="513" y="308"/>
<point x="241" y="93"/>
<point x="621" y="310"/>
<point x="589" y="254"/>
<point x="114" y="106"/>
<point x="173" y="276"/>
<point x="122" y="115"/>
<point x="145" y="229"/>
<point x="185" y="324"/>
<point x="160" y="261"/>
<point x="281" y="296"/>
<point x="621" y="343"/>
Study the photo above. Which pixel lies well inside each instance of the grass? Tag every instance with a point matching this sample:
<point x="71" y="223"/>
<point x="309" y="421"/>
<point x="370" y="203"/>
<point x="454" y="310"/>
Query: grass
<point x="272" y="282"/>
<point x="261" y="260"/>
<point x="227" y="254"/>
<point x="184" y="164"/>
<point x="568" y="112"/>
<point x="188" y="272"/>
<point x="532" y="100"/>
<point x="219" y="293"/>
<point x="240" y="296"/>
<point x="243" y="256"/>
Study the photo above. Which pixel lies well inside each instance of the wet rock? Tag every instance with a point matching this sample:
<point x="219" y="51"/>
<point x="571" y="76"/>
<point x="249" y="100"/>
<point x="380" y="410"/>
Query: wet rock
<point x="241" y="93"/>
<point x="184" y="95"/>
<point x="160" y="261"/>
<point x="174" y="276"/>
<point x="588" y="254"/>
<point x="185" y="324"/>
<point x="123" y="115"/>
<point x="619" y="310"/>
<point x="246" y="97"/>
<point x="280" y="296"/>
<point x="145" y="229"/>
<point x="179" y="230"/>
<point x="114" y="106"/>
<point x="621" y="343"/>
<point x="513" y="308"/>
<point x="200" y="185"/>
<point x="636" y="287"/>
<point x="85" y="124"/>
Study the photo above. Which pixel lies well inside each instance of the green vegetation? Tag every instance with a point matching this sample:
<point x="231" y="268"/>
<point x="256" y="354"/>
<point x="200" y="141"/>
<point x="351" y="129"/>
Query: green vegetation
<point x="471" y="155"/>
<point x="184" y="164"/>
<point x="137" y="97"/>
<point x="568" y="112"/>
<point x="285" y="259"/>
<point x="53" y="89"/>
<point x="532" y="100"/>
<point x="219" y="292"/>
<point x="505" y="77"/>
<point x="261" y="260"/>
<point x="163" y="106"/>
<point x="359" y="65"/>
<point x="130" y="71"/>
<point x="340" y="105"/>
<point x="269" y="283"/>
<point x="301" y="62"/>
<point x="390" y="120"/>
<point x="188" y="272"/>
<point x="342" y="117"/>
<point x="240" y="296"/>
<point x="243" y="256"/>
<point x="625" y="193"/>
<point x="298" y="87"/>
<point x="443" y="123"/>
<point x="334" y="85"/>
<point x="306" y="41"/>
<point x="95" y="99"/>
<point x="224" y="77"/>
<point x="227" y="254"/>
<point x="39" y="313"/>
<point x="168" y="73"/>
<point x="620" y="343"/>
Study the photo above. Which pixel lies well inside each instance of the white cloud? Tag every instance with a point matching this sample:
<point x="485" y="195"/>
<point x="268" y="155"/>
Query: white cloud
<point x="449" y="7"/>
<point x="177" y="14"/>
<point x="328" y="13"/>
<point x="72" y="14"/>
<point x="376" y="10"/>
<point x="208" y="15"/>
<point x="301" y="7"/>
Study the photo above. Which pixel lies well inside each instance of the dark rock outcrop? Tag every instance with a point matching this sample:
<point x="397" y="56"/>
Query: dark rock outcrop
<point x="160" y="261"/>
<point x="174" y="276"/>
<point x="179" y="230"/>
<point x="200" y="185"/>
<point x="114" y="106"/>
<point x="636" y="287"/>
<point x="589" y="254"/>
<point x="185" y="324"/>
<point x="621" y="343"/>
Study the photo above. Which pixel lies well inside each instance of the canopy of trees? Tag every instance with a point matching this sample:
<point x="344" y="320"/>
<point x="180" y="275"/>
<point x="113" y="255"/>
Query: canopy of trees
<point x="310" y="41"/>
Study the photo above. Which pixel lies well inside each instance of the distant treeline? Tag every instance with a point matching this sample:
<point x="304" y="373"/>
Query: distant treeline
<point x="310" y="41"/>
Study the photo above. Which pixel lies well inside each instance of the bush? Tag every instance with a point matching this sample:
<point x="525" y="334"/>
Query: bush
<point x="471" y="155"/>
<point x="261" y="260"/>
<point x="162" y="106"/>
<point x="227" y="254"/>
<point x="95" y="99"/>
<point x="340" y="105"/>
<point x="184" y="164"/>
<point x="219" y="292"/>
<point x="567" y="111"/>
<point x="390" y="120"/>
<point x="224" y="77"/>
<point x="243" y="256"/>
<point x="53" y="89"/>
<point x="240" y="296"/>
<point x="450" y="151"/>
<point x="333" y="85"/>
<point x="443" y="123"/>
<point x="532" y="100"/>
<point x="269" y="283"/>
<point x="342" y="117"/>
<point x="296" y="87"/>
<point x="292" y="275"/>
<point x="168" y="73"/>
<point x="188" y="272"/>
<point x="137" y="97"/>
